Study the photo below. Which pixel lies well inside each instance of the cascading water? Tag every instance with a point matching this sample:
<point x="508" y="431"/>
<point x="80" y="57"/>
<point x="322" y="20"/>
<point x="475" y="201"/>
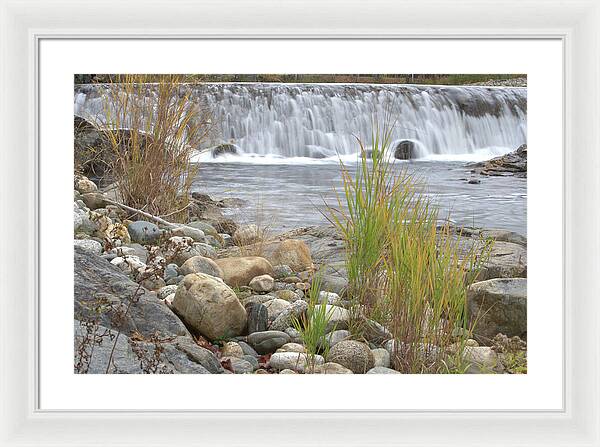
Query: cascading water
<point x="323" y="120"/>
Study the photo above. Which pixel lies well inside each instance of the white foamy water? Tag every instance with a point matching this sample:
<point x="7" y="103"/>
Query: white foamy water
<point x="323" y="121"/>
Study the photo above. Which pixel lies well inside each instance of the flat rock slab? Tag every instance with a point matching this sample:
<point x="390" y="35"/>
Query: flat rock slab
<point x="103" y="292"/>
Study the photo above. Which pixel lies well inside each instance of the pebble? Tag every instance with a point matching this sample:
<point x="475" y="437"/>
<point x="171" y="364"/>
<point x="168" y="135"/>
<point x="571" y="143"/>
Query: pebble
<point x="268" y="341"/>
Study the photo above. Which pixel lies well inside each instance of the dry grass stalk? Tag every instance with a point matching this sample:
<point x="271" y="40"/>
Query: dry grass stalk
<point x="153" y="130"/>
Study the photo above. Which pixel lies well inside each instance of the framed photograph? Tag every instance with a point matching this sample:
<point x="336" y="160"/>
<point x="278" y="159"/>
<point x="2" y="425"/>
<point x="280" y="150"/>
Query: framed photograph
<point x="302" y="224"/>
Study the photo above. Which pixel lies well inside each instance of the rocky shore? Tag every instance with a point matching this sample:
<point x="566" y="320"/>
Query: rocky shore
<point x="213" y="297"/>
<point x="513" y="163"/>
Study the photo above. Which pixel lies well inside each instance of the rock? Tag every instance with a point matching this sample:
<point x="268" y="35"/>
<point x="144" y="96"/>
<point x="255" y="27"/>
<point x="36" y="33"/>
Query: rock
<point x="294" y="335"/>
<point x="286" y="318"/>
<point x="268" y="341"/>
<point x="101" y="289"/>
<point x="213" y="241"/>
<point x="404" y="150"/>
<point x="329" y="298"/>
<point x="200" y="264"/>
<point x="275" y="307"/>
<point x="292" y="347"/>
<point x="196" y="234"/>
<point x="287" y="371"/>
<point x="381" y="357"/>
<point x="247" y="349"/>
<point x="166" y="291"/>
<point x="227" y="240"/>
<point x="225" y="148"/>
<point x="482" y="359"/>
<point x="196" y="249"/>
<point x="143" y="232"/>
<point x="290" y="252"/>
<point x="498" y="305"/>
<point x="171" y="272"/>
<point x="240" y="271"/>
<point x="375" y="332"/>
<point x="335" y="337"/>
<point x="331" y="368"/>
<point x="258" y="299"/>
<point x="169" y="300"/>
<point x="246" y="235"/>
<point x="83" y="185"/>
<point x="205" y="227"/>
<point x="89" y="245"/>
<point x="473" y="181"/>
<point x="287" y="295"/>
<point x="352" y="354"/>
<point x="138" y="250"/>
<point x="128" y="264"/>
<point x="504" y="236"/>
<point x="282" y="271"/>
<point x="232" y="349"/>
<point x="237" y="365"/>
<point x="283" y="286"/>
<point x="338" y="317"/>
<point x="514" y="163"/>
<point x="130" y="356"/>
<point x="291" y="280"/>
<point x="262" y="283"/>
<point x="93" y="200"/>
<point x="209" y="306"/>
<point x="334" y="283"/>
<point x="198" y="354"/>
<point x="382" y="370"/>
<point x="257" y="317"/>
<point x="293" y="253"/>
<point x="153" y="283"/>
<point x="252" y="360"/>
<point x="295" y="361"/>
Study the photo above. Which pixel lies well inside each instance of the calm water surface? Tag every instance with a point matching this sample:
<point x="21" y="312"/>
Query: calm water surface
<point x="287" y="196"/>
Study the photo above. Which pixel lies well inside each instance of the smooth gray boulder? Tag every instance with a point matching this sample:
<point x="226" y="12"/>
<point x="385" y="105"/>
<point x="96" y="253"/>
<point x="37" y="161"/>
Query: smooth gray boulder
<point x="498" y="305"/>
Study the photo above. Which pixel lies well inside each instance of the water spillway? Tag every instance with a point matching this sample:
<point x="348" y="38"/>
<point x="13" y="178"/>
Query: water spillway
<point x="324" y="120"/>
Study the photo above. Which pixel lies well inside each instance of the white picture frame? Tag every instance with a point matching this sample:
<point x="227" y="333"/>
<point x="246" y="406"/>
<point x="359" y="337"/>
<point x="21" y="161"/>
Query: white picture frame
<point x="24" y="24"/>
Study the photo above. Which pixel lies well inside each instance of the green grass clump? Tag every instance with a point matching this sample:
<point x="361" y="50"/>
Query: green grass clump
<point x="404" y="270"/>
<point x="313" y="325"/>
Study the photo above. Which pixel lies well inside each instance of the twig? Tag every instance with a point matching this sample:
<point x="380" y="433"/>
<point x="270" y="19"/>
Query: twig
<point x="178" y="211"/>
<point x="148" y="215"/>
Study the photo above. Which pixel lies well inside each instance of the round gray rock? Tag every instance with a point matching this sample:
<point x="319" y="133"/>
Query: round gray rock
<point x="268" y="341"/>
<point x="352" y="354"/>
<point x="143" y="232"/>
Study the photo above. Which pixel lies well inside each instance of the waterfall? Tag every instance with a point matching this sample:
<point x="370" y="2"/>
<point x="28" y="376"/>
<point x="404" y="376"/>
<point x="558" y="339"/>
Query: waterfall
<point x="323" y="120"/>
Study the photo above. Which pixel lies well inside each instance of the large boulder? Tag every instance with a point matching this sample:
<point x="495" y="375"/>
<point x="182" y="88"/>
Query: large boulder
<point x="404" y="150"/>
<point x="352" y="354"/>
<point x="240" y="271"/>
<point x="291" y="252"/>
<point x="209" y="306"/>
<point x="103" y="293"/>
<point x="200" y="264"/>
<point x="294" y="253"/>
<point x="498" y="306"/>
<point x="129" y="355"/>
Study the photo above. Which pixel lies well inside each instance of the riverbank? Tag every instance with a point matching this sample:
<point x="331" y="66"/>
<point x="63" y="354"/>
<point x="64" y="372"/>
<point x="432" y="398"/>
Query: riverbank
<point x="216" y="296"/>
